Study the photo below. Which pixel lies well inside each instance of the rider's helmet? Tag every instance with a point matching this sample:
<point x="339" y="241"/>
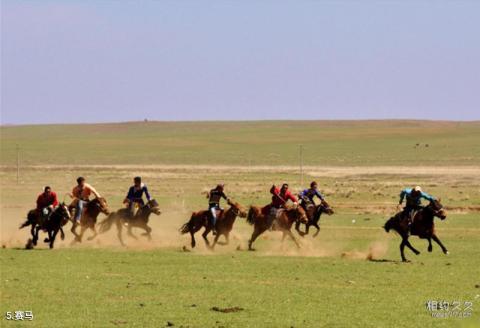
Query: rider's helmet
<point x="47" y="189"/>
<point x="80" y="180"/>
<point x="137" y="180"/>
<point x="220" y="187"/>
<point x="285" y="186"/>
<point x="313" y="185"/>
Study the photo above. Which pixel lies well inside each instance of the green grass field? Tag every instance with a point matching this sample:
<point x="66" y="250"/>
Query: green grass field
<point x="360" y="166"/>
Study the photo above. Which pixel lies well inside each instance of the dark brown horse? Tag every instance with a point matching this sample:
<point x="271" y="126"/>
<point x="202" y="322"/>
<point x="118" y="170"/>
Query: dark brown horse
<point x="89" y="217"/>
<point x="34" y="219"/>
<point x="284" y="222"/>
<point x="122" y="218"/>
<point x="313" y="213"/>
<point x="52" y="225"/>
<point x="224" y="224"/>
<point x="422" y="226"/>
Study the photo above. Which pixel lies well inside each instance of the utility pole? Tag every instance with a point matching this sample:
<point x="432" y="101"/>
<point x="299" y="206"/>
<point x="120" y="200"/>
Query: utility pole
<point x="301" y="166"/>
<point x="18" y="163"/>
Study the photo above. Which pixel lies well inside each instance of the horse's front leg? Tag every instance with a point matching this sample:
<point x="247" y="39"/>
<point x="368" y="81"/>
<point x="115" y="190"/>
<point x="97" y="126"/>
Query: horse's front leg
<point x="52" y="237"/>
<point x="148" y="231"/>
<point x="62" y="234"/>
<point x="430" y="244"/>
<point x="215" y="240"/>
<point x="227" y="239"/>
<point x="47" y="240"/>
<point x="444" y="249"/>
<point x="290" y="234"/>
<point x="94" y="233"/>
<point x="413" y="249"/>
<point x="318" y="229"/>
<point x="297" y="227"/>
<point x="82" y="231"/>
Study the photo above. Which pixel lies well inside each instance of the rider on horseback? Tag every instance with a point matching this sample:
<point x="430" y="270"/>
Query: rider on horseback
<point x="135" y="195"/>
<point x="46" y="202"/>
<point x="214" y="197"/>
<point x="279" y="199"/>
<point x="413" y="202"/>
<point x="81" y="194"/>
<point x="307" y="196"/>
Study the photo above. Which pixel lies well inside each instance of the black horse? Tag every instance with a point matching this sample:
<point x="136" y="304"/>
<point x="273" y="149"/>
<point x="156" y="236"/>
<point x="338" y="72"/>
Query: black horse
<point x="422" y="226"/>
<point x="51" y="225"/>
<point x="313" y="213"/>
<point x="123" y="218"/>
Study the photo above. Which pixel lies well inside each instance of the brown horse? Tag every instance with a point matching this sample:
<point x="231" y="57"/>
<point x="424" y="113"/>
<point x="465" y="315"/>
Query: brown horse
<point x="313" y="213"/>
<point x="89" y="217"/>
<point x="422" y="226"/>
<point x="52" y="225"/>
<point x="284" y="222"/>
<point x="140" y="220"/>
<point x="224" y="224"/>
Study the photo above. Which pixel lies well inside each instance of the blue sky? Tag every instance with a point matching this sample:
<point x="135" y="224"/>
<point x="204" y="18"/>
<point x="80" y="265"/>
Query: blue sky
<point x="103" y="61"/>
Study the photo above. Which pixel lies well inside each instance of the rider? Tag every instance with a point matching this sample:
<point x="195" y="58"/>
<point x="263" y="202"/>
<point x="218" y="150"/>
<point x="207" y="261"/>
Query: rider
<point x="81" y="194"/>
<point x="214" y="197"/>
<point x="279" y="199"/>
<point x="135" y="195"/>
<point x="413" y="201"/>
<point x="46" y="202"/>
<point x="307" y="195"/>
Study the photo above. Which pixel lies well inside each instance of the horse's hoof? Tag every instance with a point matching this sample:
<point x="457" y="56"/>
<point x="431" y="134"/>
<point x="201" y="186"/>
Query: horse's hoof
<point x="430" y="249"/>
<point x="252" y="249"/>
<point x="417" y="253"/>
<point x="446" y="252"/>
<point x="46" y="240"/>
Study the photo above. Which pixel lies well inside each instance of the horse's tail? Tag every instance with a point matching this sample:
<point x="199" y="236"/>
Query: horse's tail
<point x="25" y="224"/>
<point x="389" y="224"/>
<point x="30" y="220"/>
<point x="251" y="215"/>
<point x="187" y="227"/>
<point x="106" y="224"/>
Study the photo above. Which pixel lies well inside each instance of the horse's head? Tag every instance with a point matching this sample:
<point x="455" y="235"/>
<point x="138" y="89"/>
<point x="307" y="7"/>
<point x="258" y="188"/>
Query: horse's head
<point x="153" y="206"/>
<point x="437" y="208"/>
<point x="63" y="212"/>
<point x="326" y="208"/>
<point x="299" y="213"/>
<point x="101" y="204"/>
<point x="237" y="209"/>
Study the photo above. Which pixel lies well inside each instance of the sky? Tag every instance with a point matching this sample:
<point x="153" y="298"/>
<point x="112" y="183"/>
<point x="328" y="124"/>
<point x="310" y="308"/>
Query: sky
<point x="113" y="61"/>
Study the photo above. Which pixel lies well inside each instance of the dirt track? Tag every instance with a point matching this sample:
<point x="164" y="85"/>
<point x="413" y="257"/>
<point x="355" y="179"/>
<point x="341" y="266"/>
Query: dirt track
<point x="332" y="171"/>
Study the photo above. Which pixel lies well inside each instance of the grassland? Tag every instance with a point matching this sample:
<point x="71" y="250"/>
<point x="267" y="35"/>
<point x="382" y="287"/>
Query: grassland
<point x="247" y="143"/>
<point x="361" y="166"/>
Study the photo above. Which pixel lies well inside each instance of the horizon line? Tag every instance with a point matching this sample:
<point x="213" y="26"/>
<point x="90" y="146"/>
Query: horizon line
<point x="243" y="121"/>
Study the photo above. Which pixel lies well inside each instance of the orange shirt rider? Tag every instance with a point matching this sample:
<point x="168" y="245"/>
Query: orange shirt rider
<point x="81" y="194"/>
<point x="84" y="192"/>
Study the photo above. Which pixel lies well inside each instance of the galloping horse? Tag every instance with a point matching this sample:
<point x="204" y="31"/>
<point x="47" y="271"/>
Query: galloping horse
<point x="223" y="225"/>
<point x="52" y="225"/>
<point x="89" y="217"/>
<point x="284" y="222"/>
<point x="139" y="220"/>
<point x="313" y="213"/>
<point x="422" y="226"/>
